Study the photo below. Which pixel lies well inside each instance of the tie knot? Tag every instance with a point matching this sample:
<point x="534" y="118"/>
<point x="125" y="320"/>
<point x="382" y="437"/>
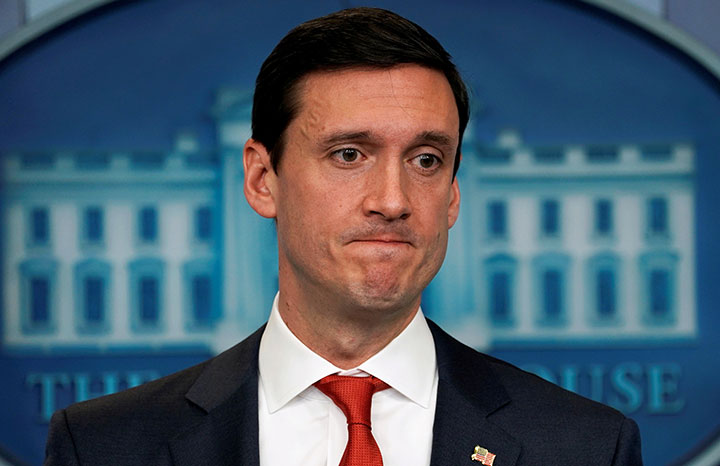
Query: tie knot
<point x="353" y="395"/>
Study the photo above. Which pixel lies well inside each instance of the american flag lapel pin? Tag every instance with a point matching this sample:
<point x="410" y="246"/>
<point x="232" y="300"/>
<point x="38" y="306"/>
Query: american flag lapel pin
<point x="483" y="456"/>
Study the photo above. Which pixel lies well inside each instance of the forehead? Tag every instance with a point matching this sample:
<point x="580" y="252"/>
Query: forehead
<point x="404" y="97"/>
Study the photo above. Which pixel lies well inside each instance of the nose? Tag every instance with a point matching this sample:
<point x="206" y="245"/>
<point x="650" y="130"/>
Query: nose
<point x="387" y="193"/>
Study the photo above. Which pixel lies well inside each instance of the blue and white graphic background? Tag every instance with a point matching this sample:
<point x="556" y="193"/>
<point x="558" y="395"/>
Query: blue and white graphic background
<point x="584" y="251"/>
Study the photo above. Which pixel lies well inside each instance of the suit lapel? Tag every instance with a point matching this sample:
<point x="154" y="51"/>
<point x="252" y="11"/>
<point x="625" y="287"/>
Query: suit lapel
<point x="468" y="393"/>
<point x="225" y="393"/>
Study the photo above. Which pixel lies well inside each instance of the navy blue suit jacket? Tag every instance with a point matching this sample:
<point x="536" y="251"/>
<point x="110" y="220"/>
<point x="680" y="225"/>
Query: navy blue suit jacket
<point x="207" y="415"/>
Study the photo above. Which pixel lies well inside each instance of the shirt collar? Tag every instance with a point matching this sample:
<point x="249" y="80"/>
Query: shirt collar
<point x="287" y="367"/>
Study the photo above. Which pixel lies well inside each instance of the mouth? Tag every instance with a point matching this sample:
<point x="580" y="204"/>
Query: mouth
<point x="383" y="240"/>
<point x="384" y="245"/>
<point x="380" y="236"/>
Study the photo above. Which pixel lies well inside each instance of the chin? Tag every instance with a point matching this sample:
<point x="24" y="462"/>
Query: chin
<point x="382" y="296"/>
<point x="384" y="288"/>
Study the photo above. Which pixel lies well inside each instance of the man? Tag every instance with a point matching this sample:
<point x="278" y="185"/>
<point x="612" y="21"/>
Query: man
<point x="357" y="125"/>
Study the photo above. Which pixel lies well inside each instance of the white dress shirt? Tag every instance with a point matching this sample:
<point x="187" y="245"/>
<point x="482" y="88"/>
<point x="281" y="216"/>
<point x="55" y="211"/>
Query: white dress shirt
<point x="299" y="425"/>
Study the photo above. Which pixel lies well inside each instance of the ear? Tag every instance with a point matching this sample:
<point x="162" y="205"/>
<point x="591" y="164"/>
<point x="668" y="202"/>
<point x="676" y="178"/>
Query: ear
<point x="454" y="207"/>
<point x="260" y="179"/>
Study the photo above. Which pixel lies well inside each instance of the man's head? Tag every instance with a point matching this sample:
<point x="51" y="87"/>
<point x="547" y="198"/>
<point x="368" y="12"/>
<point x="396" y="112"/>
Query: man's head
<point x="365" y="193"/>
<point x="355" y="38"/>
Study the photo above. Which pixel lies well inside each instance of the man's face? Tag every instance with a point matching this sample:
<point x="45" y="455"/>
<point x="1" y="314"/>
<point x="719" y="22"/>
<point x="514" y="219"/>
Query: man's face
<point x="364" y="195"/>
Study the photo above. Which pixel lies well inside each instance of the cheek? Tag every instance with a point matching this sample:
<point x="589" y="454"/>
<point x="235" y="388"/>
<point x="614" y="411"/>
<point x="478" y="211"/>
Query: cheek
<point x="435" y="228"/>
<point x="435" y="210"/>
<point x="314" y="213"/>
<point x="330" y="200"/>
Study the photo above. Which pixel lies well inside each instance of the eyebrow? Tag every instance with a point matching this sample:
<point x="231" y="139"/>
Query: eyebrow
<point x="345" y="136"/>
<point x="435" y="137"/>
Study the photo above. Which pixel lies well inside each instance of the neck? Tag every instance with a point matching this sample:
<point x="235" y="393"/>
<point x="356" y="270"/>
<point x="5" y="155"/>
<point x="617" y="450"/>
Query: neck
<point x="343" y="334"/>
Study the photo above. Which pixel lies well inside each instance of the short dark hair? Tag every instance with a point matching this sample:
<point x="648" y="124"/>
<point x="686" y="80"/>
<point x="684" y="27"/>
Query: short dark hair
<point x="351" y="38"/>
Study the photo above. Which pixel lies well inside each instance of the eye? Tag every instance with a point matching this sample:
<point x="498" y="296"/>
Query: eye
<point x="346" y="155"/>
<point x="427" y="161"/>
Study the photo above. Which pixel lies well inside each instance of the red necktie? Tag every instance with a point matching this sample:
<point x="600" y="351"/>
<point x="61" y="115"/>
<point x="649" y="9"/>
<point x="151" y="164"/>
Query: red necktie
<point x="353" y="395"/>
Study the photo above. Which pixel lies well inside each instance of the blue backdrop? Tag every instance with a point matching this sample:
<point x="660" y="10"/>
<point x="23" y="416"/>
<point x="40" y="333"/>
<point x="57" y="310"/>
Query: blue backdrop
<point x="124" y="230"/>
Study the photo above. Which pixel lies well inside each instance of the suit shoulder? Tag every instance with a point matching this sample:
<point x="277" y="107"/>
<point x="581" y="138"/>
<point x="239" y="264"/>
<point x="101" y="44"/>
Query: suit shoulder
<point x="132" y="423"/>
<point x="165" y="401"/>
<point x="527" y="388"/>
<point x="167" y="396"/>
<point x="163" y="396"/>
<point x="137" y="424"/>
<point x="548" y="418"/>
<point x="502" y="380"/>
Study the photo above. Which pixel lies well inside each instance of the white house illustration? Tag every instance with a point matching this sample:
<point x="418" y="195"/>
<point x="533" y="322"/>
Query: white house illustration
<point x="572" y="244"/>
<point x="132" y="250"/>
